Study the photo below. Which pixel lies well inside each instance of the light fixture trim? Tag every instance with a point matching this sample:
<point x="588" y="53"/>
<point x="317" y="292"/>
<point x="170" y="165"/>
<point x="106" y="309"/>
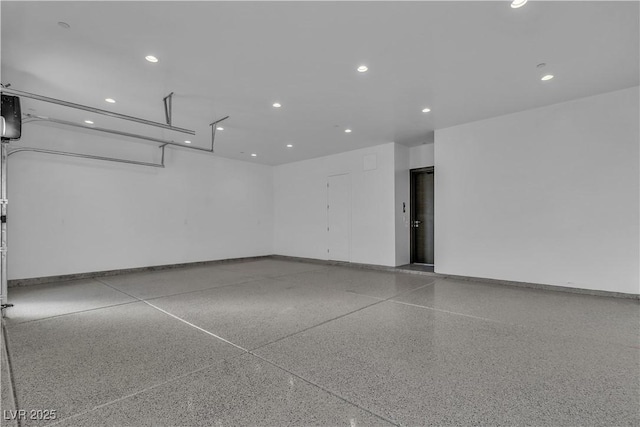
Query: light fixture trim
<point x="110" y="100"/>
<point x="518" y="3"/>
<point x="546" y="77"/>
<point x="362" y="68"/>
<point x="151" y="58"/>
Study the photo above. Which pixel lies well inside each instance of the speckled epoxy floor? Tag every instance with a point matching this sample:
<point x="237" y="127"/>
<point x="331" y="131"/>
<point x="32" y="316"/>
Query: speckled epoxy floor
<point x="274" y="342"/>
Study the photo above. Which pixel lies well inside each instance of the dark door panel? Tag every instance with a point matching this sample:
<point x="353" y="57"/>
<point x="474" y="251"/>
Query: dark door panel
<point x="422" y="216"/>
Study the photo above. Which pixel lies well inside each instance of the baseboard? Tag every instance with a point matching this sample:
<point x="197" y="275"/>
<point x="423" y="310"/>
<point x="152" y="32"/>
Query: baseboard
<point x="91" y="275"/>
<point x="466" y="278"/>
<point x="541" y="286"/>
<point x="337" y="263"/>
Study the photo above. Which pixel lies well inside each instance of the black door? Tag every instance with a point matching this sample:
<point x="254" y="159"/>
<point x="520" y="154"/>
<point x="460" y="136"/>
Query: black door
<point x="422" y="213"/>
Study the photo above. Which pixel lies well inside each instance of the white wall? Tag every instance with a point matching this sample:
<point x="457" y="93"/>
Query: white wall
<point x="75" y="215"/>
<point x="421" y="156"/>
<point x="300" y="209"/>
<point x="402" y="161"/>
<point x="547" y="196"/>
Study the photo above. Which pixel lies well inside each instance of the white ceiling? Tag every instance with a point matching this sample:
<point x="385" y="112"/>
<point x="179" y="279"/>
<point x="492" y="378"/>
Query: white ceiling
<point x="465" y="60"/>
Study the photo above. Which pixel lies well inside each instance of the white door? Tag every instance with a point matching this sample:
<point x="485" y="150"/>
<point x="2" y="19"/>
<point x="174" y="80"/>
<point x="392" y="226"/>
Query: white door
<point x="339" y="217"/>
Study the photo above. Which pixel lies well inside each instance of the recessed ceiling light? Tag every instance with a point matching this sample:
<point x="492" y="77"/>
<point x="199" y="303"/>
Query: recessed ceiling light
<point x="289" y="145"/>
<point x="426" y="110"/>
<point x="518" y="3"/>
<point x="547" y="77"/>
<point x="363" y="68"/>
<point x="277" y="105"/>
<point x="220" y="128"/>
<point x="347" y="130"/>
<point x="151" y="58"/>
<point x="89" y="122"/>
<point x="187" y="142"/>
<point x="110" y="100"/>
<point x="64" y="25"/>
<point x="253" y="154"/>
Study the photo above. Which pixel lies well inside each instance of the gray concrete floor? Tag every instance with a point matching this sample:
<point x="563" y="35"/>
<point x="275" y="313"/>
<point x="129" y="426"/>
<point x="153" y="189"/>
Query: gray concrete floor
<point x="274" y="342"/>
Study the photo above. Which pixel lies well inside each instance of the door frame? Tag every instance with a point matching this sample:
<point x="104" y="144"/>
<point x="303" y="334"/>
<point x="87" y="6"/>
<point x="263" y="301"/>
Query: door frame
<point x="412" y="210"/>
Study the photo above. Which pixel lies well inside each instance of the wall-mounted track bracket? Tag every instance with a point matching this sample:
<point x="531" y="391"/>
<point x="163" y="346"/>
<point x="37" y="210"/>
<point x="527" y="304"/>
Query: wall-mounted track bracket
<point x="168" y="103"/>
<point x="214" y="125"/>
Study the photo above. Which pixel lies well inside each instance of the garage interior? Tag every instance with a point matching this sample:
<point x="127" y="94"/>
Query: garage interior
<point x="320" y="213"/>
